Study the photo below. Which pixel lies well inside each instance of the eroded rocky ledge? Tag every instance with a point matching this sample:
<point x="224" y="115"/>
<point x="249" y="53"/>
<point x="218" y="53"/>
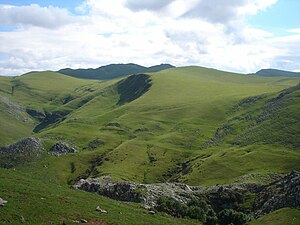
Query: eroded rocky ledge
<point x="249" y="198"/>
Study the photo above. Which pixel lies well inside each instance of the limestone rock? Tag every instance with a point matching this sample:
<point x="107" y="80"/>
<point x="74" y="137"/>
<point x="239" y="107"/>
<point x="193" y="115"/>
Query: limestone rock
<point x="100" y="210"/>
<point x="2" y="202"/>
<point x="83" y="221"/>
<point x="61" y="148"/>
<point x="285" y="192"/>
<point x="20" y="152"/>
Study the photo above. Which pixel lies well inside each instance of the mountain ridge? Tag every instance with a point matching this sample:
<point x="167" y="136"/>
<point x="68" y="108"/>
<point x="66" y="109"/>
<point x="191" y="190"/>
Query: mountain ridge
<point x="277" y="73"/>
<point x="112" y="71"/>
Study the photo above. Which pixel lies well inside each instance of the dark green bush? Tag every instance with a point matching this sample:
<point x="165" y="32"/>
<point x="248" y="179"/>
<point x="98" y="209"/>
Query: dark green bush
<point x="195" y="209"/>
<point x="230" y="216"/>
<point x="172" y="207"/>
<point x="211" y="217"/>
<point x="198" y="203"/>
<point x="196" y="213"/>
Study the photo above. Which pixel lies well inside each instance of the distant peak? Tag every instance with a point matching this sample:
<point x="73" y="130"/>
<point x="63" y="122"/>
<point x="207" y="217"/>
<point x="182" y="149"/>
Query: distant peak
<point x="113" y="71"/>
<point x="277" y="73"/>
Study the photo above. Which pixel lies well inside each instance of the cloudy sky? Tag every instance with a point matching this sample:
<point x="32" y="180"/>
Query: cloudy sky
<point x="234" y="35"/>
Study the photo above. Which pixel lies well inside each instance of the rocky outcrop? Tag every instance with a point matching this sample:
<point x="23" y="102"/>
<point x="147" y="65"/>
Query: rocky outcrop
<point x="61" y="148"/>
<point x="279" y="194"/>
<point x="283" y="193"/>
<point x="20" y="152"/>
<point x="13" y="110"/>
<point x="148" y="194"/>
<point x="123" y="191"/>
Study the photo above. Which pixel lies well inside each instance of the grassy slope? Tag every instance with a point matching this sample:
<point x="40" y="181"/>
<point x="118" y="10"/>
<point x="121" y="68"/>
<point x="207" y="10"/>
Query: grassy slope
<point x="262" y="138"/>
<point x="43" y="92"/>
<point x="46" y="90"/>
<point x="15" y="123"/>
<point x="167" y="126"/>
<point x="279" y="217"/>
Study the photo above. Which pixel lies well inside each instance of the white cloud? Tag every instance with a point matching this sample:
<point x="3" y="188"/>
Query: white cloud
<point x="34" y="15"/>
<point x="147" y="32"/>
<point x="253" y="6"/>
<point x="295" y="30"/>
<point x="137" y="5"/>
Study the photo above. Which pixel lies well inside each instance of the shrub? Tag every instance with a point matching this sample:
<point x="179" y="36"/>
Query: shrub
<point x="211" y="217"/>
<point x="230" y="216"/>
<point x="195" y="209"/>
<point x="198" y="203"/>
<point x="172" y="207"/>
<point x="196" y="213"/>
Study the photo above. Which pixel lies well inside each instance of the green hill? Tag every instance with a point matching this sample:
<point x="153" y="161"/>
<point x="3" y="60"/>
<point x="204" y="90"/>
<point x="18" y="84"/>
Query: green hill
<point x="277" y="73"/>
<point x="191" y="124"/>
<point x="113" y="71"/>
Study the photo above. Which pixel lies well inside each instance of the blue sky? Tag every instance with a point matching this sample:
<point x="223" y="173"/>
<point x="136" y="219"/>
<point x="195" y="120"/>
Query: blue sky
<point x="279" y="18"/>
<point x="70" y="4"/>
<point x="237" y="35"/>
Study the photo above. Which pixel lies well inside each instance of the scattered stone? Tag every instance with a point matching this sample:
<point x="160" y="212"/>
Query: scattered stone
<point x="61" y="148"/>
<point x="100" y="210"/>
<point x="2" y="202"/>
<point x="152" y="212"/>
<point x="23" y="219"/>
<point x="147" y="207"/>
<point x="83" y="221"/>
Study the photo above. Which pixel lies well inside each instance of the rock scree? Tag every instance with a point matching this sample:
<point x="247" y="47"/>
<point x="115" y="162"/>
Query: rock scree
<point x="279" y="194"/>
<point x="20" y="152"/>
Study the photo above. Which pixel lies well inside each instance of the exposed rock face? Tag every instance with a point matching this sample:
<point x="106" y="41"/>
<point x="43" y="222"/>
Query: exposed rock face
<point x="283" y="193"/>
<point x="148" y="194"/>
<point x="14" y="110"/>
<point x="61" y="148"/>
<point x="22" y="151"/>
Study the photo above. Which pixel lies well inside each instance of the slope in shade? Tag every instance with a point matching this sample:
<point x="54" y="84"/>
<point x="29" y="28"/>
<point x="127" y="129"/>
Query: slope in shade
<point x="133" y="87"/>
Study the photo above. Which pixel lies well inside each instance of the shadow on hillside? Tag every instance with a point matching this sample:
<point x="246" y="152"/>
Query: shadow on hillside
<point x="133" y="87"/>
